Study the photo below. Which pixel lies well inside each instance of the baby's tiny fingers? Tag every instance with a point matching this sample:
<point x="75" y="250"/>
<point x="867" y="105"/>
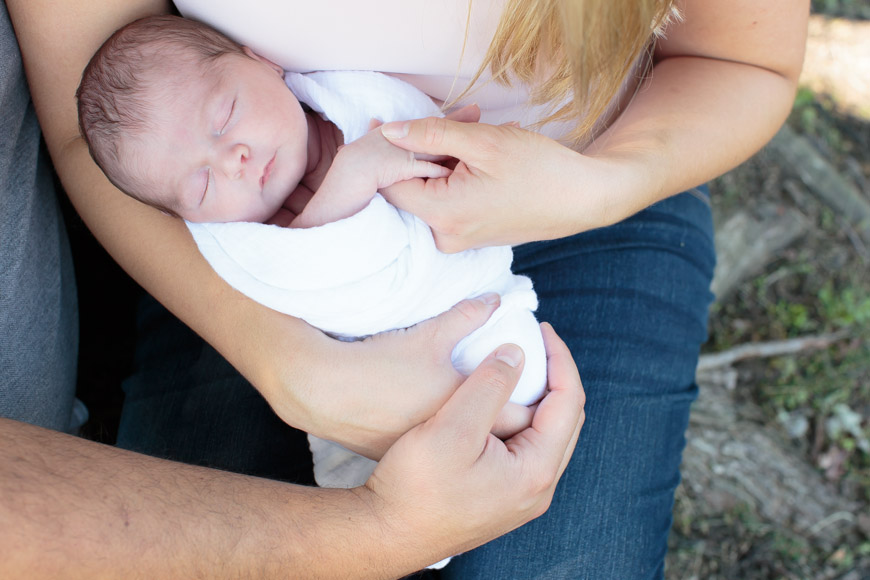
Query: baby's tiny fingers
<point x="435" y="158"/>
<point x="430" y="170"/>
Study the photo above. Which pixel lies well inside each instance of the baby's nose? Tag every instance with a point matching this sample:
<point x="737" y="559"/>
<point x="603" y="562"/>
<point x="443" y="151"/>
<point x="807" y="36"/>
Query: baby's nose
<point x="235" y="159"/>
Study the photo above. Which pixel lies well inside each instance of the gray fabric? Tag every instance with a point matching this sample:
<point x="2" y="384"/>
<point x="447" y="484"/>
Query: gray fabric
<point x="38" y="311"/>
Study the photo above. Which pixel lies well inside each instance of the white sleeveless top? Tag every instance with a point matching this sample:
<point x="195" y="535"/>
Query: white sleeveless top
<point x="419" y="41"/>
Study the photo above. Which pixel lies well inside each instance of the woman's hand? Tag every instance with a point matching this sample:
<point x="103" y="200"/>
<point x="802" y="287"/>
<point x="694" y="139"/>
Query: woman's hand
<point x="506" y="188"/>
<point x="386" y="384"/>
<point x="723" y="82"/>
<point x="450" y="478"/>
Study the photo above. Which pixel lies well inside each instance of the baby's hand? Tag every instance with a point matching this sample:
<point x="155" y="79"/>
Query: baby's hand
<point x="373" y="157"/>
<point x="358" y="171"/>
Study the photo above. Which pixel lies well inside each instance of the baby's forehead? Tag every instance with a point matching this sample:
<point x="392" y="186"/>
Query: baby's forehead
<point x="145" y="173"/>
<point x="176" y="68"/>
<point x="180" y="84"/>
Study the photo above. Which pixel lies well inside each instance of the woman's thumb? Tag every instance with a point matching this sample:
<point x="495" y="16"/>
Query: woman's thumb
<point x="466" y="317"/>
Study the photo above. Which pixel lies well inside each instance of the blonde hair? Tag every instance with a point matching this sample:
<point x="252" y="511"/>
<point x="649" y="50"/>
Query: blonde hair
<point x="584" y="48"/>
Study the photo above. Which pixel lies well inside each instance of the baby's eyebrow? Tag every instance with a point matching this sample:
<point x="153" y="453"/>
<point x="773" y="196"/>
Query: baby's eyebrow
<point x="217" y="101"/>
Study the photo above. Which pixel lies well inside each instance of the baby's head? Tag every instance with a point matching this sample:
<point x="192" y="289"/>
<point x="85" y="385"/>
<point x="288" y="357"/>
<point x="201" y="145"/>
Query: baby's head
<point x="184" y="119"/>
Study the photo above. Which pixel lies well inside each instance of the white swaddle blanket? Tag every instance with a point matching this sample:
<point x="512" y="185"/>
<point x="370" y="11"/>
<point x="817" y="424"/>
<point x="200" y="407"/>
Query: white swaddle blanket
<point x="377" y="270"/>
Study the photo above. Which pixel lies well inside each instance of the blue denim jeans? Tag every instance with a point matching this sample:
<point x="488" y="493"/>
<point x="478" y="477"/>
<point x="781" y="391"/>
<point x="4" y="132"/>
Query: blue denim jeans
<point x="631" y="302"/>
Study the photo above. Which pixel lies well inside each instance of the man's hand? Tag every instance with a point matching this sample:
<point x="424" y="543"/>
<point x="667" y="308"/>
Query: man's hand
<point x="451" y="478"/>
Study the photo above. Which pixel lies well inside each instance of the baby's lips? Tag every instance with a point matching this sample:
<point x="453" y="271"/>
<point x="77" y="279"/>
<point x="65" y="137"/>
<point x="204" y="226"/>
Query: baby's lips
<point x="267" y="171"/>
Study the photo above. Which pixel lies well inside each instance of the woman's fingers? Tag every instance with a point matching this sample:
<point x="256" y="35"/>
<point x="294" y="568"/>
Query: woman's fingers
<point x="439" y="136"/>
<point x="467" y="114"/>
<point x="448" y="328"/>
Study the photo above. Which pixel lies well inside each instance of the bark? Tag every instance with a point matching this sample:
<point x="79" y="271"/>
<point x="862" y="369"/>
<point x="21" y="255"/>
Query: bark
<point x="732" y="457"/>
<point x="745" y="245"/>
<point x="733" y="454"/>
<point x="798" y="158"/>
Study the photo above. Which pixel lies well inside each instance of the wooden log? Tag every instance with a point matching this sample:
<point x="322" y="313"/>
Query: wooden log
<point x="731" y="457"/>
<point x="745" y="245"/>
<point x="797" y="157"/>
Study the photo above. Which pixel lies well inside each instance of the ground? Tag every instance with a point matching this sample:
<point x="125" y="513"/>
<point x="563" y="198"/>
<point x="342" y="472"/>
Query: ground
<point x="818" y="401"/>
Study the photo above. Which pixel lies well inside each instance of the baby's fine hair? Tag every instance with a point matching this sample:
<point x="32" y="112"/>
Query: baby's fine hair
<point x="112" y="96"/>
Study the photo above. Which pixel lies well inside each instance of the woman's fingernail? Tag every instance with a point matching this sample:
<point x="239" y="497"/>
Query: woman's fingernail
<point x="509" y="354"/>
<point x="489" y="298"/>
<point x="395" y="130"/>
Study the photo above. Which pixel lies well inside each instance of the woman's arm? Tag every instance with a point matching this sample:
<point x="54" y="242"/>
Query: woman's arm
<point x="722" y="84"/>
<point x="57" y="39"/>
<point x="362" y="402"/>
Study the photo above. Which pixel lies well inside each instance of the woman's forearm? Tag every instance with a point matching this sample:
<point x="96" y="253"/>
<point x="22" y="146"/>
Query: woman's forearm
<point x="361" y="402"/>
<point x="277" y="353"/>
<point x="57" y="40"/>
<point x="723" y="83"/>
<point x="695" y="119"/>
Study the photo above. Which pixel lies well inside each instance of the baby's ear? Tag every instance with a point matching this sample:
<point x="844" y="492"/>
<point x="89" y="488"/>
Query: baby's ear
<point x="264" y="60"/>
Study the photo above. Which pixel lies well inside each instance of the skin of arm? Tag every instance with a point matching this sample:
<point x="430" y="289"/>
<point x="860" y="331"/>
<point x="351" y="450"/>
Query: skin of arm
<point x="723" y="82"/>
<point x="362" y="403"/>
<point x="358" y="171"/>
<point x="72" y="509"/>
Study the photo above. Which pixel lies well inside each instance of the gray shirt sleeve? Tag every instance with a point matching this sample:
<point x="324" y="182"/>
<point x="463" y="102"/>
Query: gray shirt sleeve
<point x="38" y="311"/>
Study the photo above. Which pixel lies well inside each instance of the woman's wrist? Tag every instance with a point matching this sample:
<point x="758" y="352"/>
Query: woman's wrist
<point x="602" y="186"/>
<point x="624" y="181"/>
<point x="287" y="361"/>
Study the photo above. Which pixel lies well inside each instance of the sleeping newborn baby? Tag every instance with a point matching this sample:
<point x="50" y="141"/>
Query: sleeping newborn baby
<point x="282" y="201"/>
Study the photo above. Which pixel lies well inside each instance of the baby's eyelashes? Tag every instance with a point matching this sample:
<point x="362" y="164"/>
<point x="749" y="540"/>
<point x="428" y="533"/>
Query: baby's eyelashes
<point x="205" y="187"/>
<point x="226" y="120"/>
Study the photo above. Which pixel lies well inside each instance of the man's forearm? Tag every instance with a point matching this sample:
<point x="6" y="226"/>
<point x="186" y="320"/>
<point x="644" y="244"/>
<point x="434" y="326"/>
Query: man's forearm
<point x="75" y="509"/>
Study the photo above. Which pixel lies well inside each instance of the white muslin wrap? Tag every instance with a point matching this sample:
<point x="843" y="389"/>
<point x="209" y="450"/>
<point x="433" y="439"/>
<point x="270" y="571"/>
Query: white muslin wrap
<point x="377" y="270"/>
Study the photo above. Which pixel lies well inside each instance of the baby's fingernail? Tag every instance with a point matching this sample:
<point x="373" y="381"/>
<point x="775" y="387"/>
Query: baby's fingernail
<point x="509" y="354"/>
<point x="395" y="130"/>
<point x="489" y="298"/>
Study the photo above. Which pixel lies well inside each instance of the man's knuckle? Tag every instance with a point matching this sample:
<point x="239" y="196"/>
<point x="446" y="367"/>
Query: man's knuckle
<point x="542" y="506"/>
<point x="496" y="379"/>
<point x="582" y="419"/>
<point x="540" y="482"/>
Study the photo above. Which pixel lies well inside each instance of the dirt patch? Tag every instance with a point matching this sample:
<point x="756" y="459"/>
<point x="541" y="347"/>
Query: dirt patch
<point x="808" y="411"/>
<point x="837" y="62"/>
